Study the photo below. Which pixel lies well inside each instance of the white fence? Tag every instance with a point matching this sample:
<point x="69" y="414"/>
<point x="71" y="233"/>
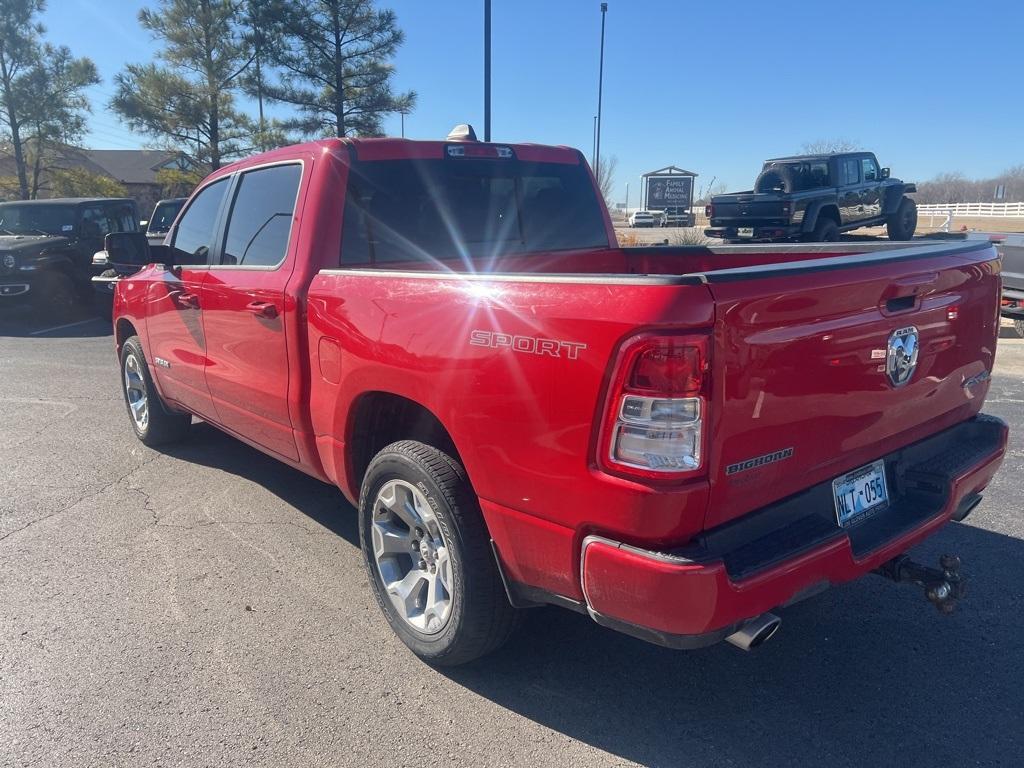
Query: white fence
<point x="972" y="209"/>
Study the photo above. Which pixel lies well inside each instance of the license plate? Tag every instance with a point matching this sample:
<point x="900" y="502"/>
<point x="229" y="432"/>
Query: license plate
<point x="859" y="492"/>
<point x="745" y="232"/>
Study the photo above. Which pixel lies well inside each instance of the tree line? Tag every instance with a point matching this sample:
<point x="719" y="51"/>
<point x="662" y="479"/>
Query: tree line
<point x="328" y="62"/>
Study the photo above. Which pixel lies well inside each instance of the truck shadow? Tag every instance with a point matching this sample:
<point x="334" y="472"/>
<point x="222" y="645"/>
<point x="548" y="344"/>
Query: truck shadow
<point x="865" y="674"/>
<point x="79" y="323"/>
<point x="322" y="503"/>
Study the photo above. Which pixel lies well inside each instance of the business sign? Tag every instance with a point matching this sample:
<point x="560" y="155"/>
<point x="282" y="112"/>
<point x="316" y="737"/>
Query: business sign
<point x="669" y="192"/>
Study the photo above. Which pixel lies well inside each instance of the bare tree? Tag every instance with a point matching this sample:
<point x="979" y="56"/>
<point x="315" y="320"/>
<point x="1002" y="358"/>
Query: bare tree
<point x="605" y="174"/>
<point x="824" y="146"/>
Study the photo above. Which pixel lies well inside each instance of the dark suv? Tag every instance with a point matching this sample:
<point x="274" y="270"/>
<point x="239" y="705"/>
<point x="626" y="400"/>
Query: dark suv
<point x="814" y="198"/>
<point x="46" y="247"/>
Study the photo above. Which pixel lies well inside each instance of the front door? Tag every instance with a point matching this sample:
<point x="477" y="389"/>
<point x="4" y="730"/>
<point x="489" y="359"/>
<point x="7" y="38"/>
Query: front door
<point x="177" y="344"/>
<point x="871" y="195"/>
<point x="850" y="206"/>
<point x="246" y="314"/>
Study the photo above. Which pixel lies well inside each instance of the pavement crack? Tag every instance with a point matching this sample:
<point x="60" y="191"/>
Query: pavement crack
<point x="84" y="497"/>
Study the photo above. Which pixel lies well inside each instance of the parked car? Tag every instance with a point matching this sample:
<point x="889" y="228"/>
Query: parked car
<point x="814" y="198"/>
<point x="672" y="441"/>
<point x="164" y="214"/>
<point x="46" y="247"/>
<point x="108" y="271"/>
<point x="642" y="219"/>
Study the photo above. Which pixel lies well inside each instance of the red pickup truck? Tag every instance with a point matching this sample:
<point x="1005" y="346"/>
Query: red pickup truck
<point x="675" y="441"/>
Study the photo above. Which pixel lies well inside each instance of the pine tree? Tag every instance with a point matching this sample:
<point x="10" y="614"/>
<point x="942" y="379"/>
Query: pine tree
<point x="189" y="98"/>
<point x="335" y="67"/>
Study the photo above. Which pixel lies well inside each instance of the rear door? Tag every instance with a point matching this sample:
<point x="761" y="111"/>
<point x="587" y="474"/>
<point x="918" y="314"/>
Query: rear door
<point x="245" y="309"/>
<point x="799" y="365"/>
<point x="177" y="343"/>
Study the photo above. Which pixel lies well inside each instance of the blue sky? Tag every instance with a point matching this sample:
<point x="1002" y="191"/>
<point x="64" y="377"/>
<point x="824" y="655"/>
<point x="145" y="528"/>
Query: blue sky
<point x="714" y="87"/>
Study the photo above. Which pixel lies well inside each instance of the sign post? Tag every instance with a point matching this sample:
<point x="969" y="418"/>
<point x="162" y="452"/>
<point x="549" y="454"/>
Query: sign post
<point x="670" y="190"/>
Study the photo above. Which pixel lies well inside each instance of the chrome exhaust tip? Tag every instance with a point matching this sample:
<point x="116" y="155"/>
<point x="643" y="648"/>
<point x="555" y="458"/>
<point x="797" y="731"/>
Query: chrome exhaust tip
<point x="755" y="632"/>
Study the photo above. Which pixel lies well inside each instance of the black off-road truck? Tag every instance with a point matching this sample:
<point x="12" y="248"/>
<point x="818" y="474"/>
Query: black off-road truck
<point x="814" y="198"/>
<point x="46" y="248"/>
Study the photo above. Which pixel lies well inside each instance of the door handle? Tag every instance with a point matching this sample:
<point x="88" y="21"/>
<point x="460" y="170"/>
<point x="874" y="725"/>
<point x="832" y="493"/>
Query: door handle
<point x="185" y="300"/>
<point x="262" y="309"/>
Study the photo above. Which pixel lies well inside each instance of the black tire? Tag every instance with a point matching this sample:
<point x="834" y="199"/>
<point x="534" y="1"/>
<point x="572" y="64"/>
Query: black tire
<point x="902" y="224"/>
<point x="161" y="425"/>
<point x="825" y="231"/>
<point x="481" y="618"/>
<point x="778" y="178"/>
<point x="1018" y="326"/>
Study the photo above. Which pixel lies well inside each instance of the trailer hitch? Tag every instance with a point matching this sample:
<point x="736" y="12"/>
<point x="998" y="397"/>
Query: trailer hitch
<point x="943" y="586"/>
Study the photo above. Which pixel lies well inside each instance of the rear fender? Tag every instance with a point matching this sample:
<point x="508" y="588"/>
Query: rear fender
<point x="811" y="216"/>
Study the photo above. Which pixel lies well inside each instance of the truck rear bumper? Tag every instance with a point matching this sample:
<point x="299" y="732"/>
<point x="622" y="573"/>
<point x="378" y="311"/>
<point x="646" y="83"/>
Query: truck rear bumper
<point x="756" y="233"/>
<point x="698" y="595"/>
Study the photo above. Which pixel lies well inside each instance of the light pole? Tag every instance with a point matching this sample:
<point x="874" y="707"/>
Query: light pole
<point x="627" y="198"/>
<point x="487" y="70"/>
<point x="593" y="147"/>
<point x="600" y="88"/>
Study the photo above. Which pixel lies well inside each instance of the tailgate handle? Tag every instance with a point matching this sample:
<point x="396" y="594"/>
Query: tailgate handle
<point x="902" y="294"/>
<point x="901" y="303"/>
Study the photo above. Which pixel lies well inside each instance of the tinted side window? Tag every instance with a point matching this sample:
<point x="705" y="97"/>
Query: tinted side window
<point x="849" y="170"/>
<point x="194" y="237"/>
<point x="96" y="222"/>
<point x="870" y="169"/>
<point x="261" y="216"/>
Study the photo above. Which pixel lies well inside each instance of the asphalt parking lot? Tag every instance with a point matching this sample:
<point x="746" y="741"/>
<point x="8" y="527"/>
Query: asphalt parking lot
<point x="207" y="606"/>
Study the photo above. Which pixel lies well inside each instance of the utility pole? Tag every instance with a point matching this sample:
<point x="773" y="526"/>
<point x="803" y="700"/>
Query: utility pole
<point x="487" y="70"/>
<point x="600" y="88"/>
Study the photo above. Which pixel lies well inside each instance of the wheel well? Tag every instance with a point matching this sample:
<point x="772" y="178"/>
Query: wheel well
<point x="830" y="212"/>
<point x="124" y="331"/>
<point x="382" y="418"/>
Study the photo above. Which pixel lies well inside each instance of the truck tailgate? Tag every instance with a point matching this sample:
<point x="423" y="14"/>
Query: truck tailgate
<point x="799" y="364"/>
<point x="765" y="205"/>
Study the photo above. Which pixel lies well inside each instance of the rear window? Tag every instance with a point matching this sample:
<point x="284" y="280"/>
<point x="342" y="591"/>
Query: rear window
<point x="806" y="174"/>
<point x="458" y="208"/>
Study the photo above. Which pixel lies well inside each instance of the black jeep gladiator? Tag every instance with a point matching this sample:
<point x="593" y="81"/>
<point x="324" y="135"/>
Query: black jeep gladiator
<point x="813" y="198"/>
<point x="46" y="247"/>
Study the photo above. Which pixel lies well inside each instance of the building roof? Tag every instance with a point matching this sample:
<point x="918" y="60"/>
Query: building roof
<point x="132" y="166"/>
<point x="669" y="170"/>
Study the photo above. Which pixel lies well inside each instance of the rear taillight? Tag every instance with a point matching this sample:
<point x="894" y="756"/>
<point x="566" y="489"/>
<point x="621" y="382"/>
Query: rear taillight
<point x="657" y="405"/>
<point x="709" y="211"/>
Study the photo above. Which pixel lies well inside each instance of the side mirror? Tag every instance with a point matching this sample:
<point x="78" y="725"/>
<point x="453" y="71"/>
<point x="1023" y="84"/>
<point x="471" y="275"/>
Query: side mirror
<point x="143" y="223"/>
<point x="884" y="173"/>
<point x="127" y="248"/>
<point x="161" y="254"/>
